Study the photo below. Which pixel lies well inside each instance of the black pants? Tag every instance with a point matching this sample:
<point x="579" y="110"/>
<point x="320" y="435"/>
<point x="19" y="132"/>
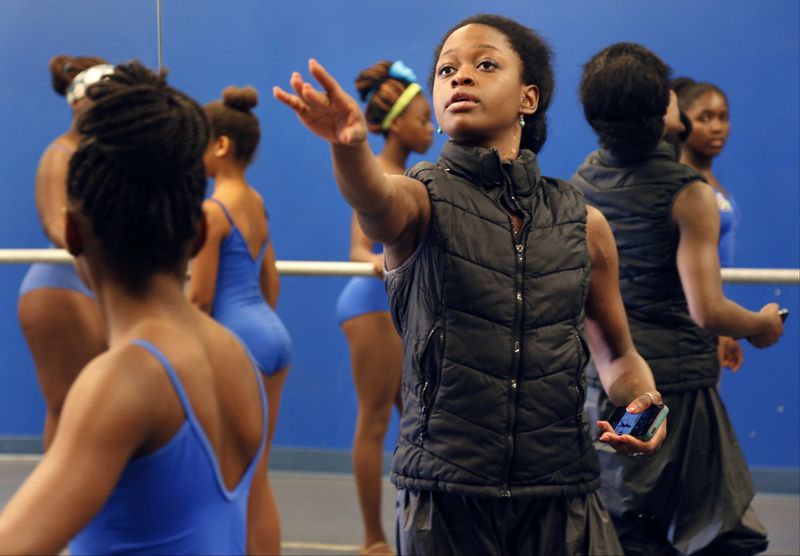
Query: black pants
<point x="433" y="523"/>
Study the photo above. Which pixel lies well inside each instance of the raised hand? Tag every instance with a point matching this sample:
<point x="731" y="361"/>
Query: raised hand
<point x="331" y="113"/>
<point x="772" y="328"/>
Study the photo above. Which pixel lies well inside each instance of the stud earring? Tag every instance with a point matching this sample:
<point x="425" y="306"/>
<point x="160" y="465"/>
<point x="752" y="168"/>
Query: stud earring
<point x="439" y="130"/>
<point x="521" y="120"/>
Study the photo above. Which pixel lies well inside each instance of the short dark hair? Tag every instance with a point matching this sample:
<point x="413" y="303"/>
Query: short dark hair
<point x="233" y="117"/>
<point x="689" y="90"/>
<point x="138" y="174"/>
<point x="537" y="69"/>
<point x="625" y="93"/>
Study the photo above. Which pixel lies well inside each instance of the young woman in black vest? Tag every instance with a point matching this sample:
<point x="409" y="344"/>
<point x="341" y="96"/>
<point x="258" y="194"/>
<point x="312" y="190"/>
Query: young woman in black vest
<point x="694" y="495"/>
<point x="488" y="273"/>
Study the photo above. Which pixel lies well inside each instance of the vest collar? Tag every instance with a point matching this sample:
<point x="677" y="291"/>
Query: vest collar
<point x="665" y="150"/>
<point x="484" y="168"/>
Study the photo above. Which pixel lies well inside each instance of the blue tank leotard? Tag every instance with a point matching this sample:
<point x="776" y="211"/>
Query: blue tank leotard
<point x="174" y="500"/>
<point x="361" y="295"/>
<point x="57" y="276"/>
<point x="240" y="306"/>
<point x="728" y="221"/>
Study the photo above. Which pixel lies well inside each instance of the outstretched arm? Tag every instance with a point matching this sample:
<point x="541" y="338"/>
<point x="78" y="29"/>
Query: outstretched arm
<point x="697" y="217"/>
<point x="625" y="376"/>
<point x="393" y="210"/>
<point x="106" y="418"/>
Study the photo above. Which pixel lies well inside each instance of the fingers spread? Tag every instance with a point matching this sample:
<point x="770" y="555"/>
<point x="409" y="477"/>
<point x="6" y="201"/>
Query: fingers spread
<point x="289" y="100"/>
<point x="322" y="76"/>
<point x="312" y="97"/>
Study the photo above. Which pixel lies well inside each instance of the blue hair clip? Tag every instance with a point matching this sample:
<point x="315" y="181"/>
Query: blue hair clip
<point x="399" y="70"/>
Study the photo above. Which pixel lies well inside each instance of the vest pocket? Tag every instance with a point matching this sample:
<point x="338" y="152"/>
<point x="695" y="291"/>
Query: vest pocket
<point x="430" y="370"/>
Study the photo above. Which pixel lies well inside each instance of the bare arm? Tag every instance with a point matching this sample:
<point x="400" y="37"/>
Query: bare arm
<point x="697" y="217"/>
<point x="205" y="265"/>
<point x="625" y="376"/>
<point x="51" y="193"/>
<point x="269" y="278"/>
<point x="394" y="210"/>
<point x="106" y="418"/>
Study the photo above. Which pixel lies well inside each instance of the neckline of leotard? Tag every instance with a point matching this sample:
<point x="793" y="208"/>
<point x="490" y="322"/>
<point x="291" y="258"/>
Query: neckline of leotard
<point x="192" y="419"/>
<point x="235" y="228"/>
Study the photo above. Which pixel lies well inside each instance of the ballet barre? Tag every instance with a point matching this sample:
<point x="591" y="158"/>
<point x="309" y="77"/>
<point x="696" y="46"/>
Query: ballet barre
<point x="340" y="268"/>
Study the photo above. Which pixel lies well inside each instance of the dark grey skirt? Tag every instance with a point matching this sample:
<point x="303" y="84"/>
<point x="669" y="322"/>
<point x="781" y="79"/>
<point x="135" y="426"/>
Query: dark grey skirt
<point x="691" y="492"/>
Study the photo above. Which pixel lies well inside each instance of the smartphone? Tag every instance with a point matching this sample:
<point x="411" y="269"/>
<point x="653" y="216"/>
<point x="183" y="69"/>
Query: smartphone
<point x="783" y="314"/>
<point x="639" y="425"/>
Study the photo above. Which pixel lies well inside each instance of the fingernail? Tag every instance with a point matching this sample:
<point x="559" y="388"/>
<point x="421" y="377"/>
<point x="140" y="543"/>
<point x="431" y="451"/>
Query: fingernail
<point x="632" y="407"/>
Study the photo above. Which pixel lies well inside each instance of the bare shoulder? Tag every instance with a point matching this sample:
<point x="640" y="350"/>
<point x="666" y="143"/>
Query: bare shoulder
<point x="119" y="388"/>
<point x="694" y="194"/>
<point x="599" y="237"/>
<point x="216" y="219"/>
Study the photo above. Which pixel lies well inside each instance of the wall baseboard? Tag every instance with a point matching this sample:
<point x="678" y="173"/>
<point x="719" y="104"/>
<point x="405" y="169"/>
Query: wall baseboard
<point x="774" y="480"/>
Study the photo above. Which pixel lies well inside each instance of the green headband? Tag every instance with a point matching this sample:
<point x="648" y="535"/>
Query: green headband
<point x="401" y="104"/>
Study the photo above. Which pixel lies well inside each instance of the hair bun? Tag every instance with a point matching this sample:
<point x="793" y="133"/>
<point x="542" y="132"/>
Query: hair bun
<point x="143" y="124"/>
<point x="240" y="98"/>
<point x="63" y="69"/>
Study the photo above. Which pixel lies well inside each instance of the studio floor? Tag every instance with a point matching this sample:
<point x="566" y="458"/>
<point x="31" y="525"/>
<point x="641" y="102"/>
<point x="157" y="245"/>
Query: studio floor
<point x="319" y="512"/>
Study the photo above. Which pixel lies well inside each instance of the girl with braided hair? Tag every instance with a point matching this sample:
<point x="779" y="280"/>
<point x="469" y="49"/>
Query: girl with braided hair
<point x="497" y="279"/>
<point x="160" y="448"/>
<point x="57" y="312"/>
<point x="234" y="277"/>
<point x="396" y="109"/>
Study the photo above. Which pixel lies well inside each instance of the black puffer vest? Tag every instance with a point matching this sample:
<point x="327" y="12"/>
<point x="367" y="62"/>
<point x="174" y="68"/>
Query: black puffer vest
<point x="492" y="328"/>
<point x="636" y="199"/>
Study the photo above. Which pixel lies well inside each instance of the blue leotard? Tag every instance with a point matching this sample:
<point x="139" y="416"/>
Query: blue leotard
<point x="240" y="306"/>
<point x="728" y="221"/>
<point x="361" y="295"/>
<point x="57" y="276"/>
<point x="174" y="501"/>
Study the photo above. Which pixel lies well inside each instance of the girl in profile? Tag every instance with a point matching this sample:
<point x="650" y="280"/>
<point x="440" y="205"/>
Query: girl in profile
<point x="234" y="277"/>
<point x="397" y="110"/>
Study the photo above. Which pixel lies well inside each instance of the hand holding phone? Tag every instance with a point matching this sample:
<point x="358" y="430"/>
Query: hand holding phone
<point x="639" y="431"/>
<point x="639" y="425"/>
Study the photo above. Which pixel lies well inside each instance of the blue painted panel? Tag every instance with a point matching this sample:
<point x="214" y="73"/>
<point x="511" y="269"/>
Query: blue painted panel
<point x="752" y="50"/>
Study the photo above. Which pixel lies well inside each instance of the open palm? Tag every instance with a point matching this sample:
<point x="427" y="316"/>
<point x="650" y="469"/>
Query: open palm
<point x="332" y="113"/>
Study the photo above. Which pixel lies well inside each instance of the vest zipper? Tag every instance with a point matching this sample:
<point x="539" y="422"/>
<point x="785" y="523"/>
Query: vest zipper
<point x="516" y="354"/>
<point x="429" y="390"/>
<point x="581" y="393"/>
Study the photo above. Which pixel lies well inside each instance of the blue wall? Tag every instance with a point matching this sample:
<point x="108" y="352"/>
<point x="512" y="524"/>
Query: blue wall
<point x="749" y="49"/>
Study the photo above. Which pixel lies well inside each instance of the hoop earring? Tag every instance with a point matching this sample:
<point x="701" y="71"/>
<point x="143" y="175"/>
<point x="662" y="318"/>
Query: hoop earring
<point x="439" y="130"/>
<point x="521" y="120"/>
